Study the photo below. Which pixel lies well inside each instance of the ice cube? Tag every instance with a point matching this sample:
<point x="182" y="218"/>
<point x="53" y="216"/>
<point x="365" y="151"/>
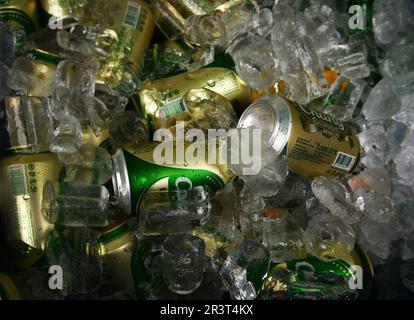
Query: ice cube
<point x="75" y="204"/>
<point x="67" y="137"/>
<point x="255" y="61"/>
<point x="336" y="197"/>
<point x="163" y="212"/>
<point x="283" y="238"/>
<point x="328" y="238"/>
<point x="183" y="263"/>
<point x="383" y="102"/>
<point x="127" y="129"/>
<point x="29" y="123"/>
<point x="91" y="164"/>
<point x="30" y="77"/>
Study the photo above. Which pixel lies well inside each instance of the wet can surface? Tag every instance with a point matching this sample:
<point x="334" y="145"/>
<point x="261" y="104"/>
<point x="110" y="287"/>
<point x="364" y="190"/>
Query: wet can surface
<point x="316" y="144"/>
<point x="24" y="177"/>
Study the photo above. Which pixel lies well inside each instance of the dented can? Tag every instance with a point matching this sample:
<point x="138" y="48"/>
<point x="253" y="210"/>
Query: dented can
<point x="354" y="266"/>
<point x="316" y="144"/>
<point x="137" y="172"/>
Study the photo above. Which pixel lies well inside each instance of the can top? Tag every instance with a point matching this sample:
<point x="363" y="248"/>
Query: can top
<point x="271" y="115"/>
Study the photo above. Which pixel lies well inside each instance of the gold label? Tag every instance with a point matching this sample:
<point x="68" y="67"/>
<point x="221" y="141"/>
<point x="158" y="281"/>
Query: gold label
<point x="320" y="145"/>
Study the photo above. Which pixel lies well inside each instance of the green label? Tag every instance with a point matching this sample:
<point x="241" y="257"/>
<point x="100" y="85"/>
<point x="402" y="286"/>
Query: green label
<point x="172" y="108"/>
<point x="17" y="180"/>
<point x="43" y="56"/>
<point x="145" y="176"/>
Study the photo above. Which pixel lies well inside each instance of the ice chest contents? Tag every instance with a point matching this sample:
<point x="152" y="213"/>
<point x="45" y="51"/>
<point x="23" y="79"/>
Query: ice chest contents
<point x="316" y="144"/>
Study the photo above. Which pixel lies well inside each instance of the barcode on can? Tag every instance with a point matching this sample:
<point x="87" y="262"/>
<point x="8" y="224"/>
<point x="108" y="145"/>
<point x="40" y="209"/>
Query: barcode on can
<point x="172" y="108"/>
<point x="132" y="15"/>
<point x="344" y="161"/>
<point x="17" y="180"/>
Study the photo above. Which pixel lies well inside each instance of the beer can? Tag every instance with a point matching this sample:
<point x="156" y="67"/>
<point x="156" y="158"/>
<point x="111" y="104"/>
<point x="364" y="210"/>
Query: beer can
<point x="136" y="172"/>
<point x="22" y="16"/>
<point x="344" y="267"/>
<point x="161" y="100"/>
<point x="115" y="247"/>
<point x="56" y="8"/>
<point x="24" y="177"/>
<point x="316" y="144"/>
<point x="171" y="15"/>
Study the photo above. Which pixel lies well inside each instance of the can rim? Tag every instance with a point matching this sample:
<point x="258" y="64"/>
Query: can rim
<point x="281" y="117"/>
<point x="120" y="181"/>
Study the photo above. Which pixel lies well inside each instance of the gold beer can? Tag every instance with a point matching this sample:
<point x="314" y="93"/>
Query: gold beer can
<point x="316" y="144"/>
<point x="135" y="32"/>
<point x="161" y="100"/>
<point x="56" y="8"/>
<point x="22" y="16"/>
<point x="134" y="25"/>
<point x="8" y="288"/>
<point x="172" y="14"/>
<point x="23" y="178"/>
<point x="137" y="172"/>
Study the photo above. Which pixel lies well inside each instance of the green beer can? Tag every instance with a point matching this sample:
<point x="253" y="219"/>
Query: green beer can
<point x="136" y="173"/>
<point x="310" y="278"/>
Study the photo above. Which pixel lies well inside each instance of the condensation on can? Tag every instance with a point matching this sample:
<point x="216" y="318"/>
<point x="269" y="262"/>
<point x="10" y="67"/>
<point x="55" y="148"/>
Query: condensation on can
<point x="165" y="96"/>
<point x="316" y="144"/>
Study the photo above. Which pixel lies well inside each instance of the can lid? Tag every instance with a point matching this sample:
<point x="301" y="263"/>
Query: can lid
<point x="271" y="115"/>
